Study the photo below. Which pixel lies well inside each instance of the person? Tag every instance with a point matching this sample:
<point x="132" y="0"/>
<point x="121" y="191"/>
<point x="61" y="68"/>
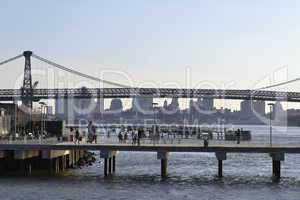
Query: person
<point x="134" y="137"/>
<point x="139" y="136"/>
<point x="120" y="136"/>
<point x="91" y="132"/>
<point x="71" y="134"/>
<point x="238" y="136"/>
<point x="94" y="134"/>
<point x="77" y="136"/>
<point x="125" y="136"/>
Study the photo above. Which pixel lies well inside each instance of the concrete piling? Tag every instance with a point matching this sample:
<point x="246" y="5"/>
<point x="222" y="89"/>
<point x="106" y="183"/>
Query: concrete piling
<point x="114" y="163"/>
<point x="163" y="157"/>
<point x="110" y="165"/>
<point x="109" y="162"/>
<point x="105" y="166"/>
<point x="220" y="168"/>
<point x="164" y="167"/>
<point x="220" y="157"/>
<point x="276" y="165"/>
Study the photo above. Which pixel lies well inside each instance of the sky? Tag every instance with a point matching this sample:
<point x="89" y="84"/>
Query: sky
<point x="155" y="43"/>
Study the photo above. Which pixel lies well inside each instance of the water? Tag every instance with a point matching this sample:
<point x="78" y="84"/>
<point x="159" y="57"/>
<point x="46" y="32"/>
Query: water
<point x="191" y="176"/>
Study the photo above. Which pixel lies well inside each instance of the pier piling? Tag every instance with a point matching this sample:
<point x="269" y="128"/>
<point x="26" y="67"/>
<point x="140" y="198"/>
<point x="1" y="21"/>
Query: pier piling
<point x="276" y="165"/>
<point x="109" y="162"/>
<point x="105" y="166"/>
<point x="220" y="168"/>
<point x="220" y="156"/>
<point x="110" y="165"/>
<point x="114" y="163"/>
<point x="163" y="157"/>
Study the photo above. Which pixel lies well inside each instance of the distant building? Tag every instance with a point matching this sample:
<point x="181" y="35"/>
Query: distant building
<point x="165" y="106"/>
<point x="74" y="109"/>
<point x="142" y="104"/>
<point x="259" y="107"/>
<point x="174" y="105"/>
<point x="279" y="113"/>
<point x="99" y="106"/>
<point x="116" y="105"/>
<point x="246" y="108"/>
<point x="205" y="104"/>
<point x="64" y="109"/>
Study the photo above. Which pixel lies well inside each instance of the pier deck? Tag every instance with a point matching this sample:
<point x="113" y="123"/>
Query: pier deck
<point x="229" y="147"/>
<point x="109" y="147"/>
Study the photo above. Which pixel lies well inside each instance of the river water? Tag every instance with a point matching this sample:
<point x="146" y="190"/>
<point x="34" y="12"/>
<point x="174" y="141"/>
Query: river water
<point x="191" y="176"/>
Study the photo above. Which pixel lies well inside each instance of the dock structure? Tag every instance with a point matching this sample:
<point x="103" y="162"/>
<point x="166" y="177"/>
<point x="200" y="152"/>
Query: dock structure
<point x="65" y="154"/>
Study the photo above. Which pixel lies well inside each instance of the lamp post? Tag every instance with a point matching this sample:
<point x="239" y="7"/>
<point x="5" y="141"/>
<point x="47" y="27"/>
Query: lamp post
<point x="15" y="118"/>
<point x="154" y="113"/>
<point x="42" y="117"/>
<point x="154" y="116"/>
<point x="271" y="105"/>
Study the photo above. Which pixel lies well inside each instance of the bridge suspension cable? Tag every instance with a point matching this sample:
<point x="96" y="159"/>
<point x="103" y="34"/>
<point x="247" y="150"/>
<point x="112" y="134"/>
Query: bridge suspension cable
<point x="11" y="59"/>
<point x="280" y="84"/>
<point x="79" y="73"/>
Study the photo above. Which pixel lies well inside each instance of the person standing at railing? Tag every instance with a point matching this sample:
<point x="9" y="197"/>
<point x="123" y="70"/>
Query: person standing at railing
<point x="71" y="134"/>
<point x="125" y="137"/>
<point x="92" y="133"/>
<point x="238" y="136"/>
<point x="77" y="136"/>
<point x="120" y="137"/>
<point x="139" y="136"/>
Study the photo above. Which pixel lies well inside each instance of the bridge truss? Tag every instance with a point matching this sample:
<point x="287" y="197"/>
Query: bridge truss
<point x="28" y="94"/>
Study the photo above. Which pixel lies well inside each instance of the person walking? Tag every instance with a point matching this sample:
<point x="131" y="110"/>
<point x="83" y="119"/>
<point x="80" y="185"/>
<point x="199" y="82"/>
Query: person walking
<point x="77" y="136"/>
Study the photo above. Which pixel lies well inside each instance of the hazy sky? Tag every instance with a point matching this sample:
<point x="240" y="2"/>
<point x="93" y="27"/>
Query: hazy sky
<point x="230" y="43"/>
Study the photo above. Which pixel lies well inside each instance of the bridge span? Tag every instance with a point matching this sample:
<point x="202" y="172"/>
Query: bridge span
<point x="37" y="94"/>
<point x="29" y="92"/>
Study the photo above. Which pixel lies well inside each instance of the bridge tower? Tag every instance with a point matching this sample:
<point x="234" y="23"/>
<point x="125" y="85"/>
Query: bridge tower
<point x="27" y="89"/>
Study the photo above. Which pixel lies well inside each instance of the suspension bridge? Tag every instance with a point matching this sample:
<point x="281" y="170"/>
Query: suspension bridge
<point x="27" y="93"/>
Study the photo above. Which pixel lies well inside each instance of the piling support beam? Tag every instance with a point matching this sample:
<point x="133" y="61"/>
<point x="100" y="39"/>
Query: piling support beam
<point x="105" y="166"/>
<point x="220" y="156"/>
<point x="163" y="157"/>
<point x="110" y="165"/>
<point x="276" y="165"/>
<point x="109" y="161"/>
<point x="220" y="168"/>
<point x="50" y="167"/>
<point x="164" y="168"/>
<point x="56" y="160"/>
<point x="114" y="163"/>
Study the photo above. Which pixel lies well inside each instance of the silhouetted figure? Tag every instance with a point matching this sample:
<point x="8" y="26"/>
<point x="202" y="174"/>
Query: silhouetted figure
<point x="125" y="137"/>
<point x="77" y="136"/>
<point x="72" y="135"/>
<point x="139" y="136"/>
<point x="120" y="136"/>
<point x="92" y="133"/>
<point x="238" y="136"/>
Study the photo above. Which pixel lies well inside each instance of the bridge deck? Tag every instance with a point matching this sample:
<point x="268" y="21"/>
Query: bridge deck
<point x="12" y="94"/>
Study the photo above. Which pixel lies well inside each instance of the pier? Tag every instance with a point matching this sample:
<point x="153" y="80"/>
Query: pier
<point x="62" y="155"/>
